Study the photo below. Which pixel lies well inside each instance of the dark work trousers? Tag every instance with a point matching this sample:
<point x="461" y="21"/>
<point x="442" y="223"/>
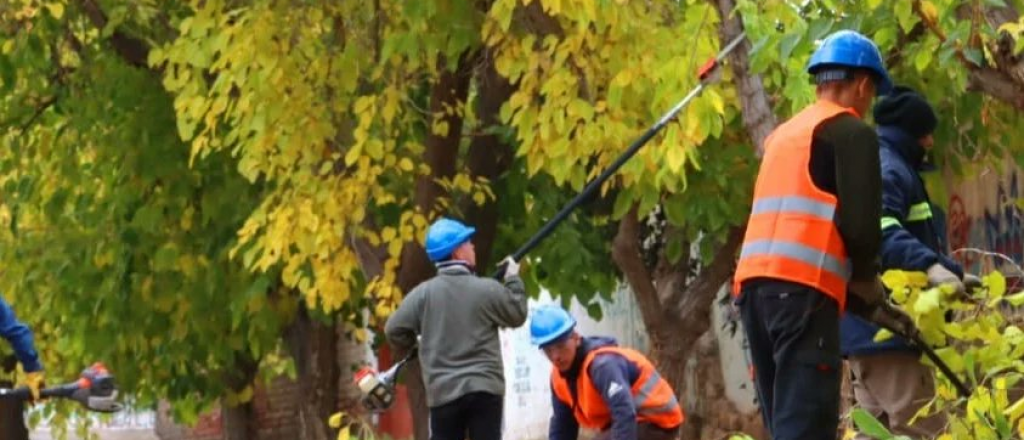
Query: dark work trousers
<point x="793" y="332"/>
<point x="475" y="416"/>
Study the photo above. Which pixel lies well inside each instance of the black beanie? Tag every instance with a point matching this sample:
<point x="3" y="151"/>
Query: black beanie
<point x="908" y="110"/>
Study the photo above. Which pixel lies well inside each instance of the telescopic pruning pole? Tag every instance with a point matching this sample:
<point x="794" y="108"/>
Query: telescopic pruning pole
<point x="706" y="77"/>
<point x="917" y="341"/>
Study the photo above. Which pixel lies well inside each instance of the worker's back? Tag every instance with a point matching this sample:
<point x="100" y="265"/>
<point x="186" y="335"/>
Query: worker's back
<point x="459" y="316"/>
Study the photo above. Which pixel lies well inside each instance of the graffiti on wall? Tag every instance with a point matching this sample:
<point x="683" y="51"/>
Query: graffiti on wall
<point x="987" y="216"/>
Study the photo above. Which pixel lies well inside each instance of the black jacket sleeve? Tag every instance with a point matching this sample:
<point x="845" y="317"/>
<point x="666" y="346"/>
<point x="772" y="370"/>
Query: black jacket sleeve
<point x="844" y="162"/>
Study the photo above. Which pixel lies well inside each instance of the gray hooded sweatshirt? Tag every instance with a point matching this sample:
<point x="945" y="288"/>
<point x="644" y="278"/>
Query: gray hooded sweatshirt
<point x="457" y="314"/>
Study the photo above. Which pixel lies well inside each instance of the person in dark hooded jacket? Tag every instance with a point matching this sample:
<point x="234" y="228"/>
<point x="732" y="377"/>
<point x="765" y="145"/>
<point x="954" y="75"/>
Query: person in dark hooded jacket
<point x="889" y="380"/>
<point x="600" y="386"/>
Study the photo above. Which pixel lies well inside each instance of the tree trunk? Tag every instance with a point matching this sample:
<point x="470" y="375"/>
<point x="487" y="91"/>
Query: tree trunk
<point x="12" y="411"/>
<point x="676" y="310"/>
<point x="441" y="153"/>
<point x="313" y="345"/>
<point x="351" y="356"/>
<point x="238" y="422"/>
<point x="676" y="304"/>
<point x="488" y="157"/>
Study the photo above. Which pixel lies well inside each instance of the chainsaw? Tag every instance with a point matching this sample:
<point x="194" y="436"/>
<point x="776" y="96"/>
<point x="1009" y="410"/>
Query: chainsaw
<point x="378" y="389"/>
<point x="95" y="390"/>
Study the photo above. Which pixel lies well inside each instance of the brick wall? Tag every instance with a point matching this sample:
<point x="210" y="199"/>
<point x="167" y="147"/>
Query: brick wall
<point x="276" y="416"/>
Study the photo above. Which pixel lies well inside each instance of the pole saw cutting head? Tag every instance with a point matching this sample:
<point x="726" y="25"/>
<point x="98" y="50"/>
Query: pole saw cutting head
<point x="96" y="390"/>
<point x="378" y="389"/>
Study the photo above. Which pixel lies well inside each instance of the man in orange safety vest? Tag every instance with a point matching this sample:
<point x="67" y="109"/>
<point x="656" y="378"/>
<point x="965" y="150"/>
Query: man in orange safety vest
<point x="598" y="385"/>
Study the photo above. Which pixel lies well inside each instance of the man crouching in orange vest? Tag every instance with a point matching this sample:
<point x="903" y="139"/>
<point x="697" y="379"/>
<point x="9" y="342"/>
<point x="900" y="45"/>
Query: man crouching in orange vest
<point x="598" y="385"/>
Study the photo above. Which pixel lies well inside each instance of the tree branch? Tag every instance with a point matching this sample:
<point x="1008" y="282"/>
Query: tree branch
<point x="700" y="294"/>
<point x="758" y="118"/>
<point x="450" y="91"/>
<point x="1004" y="80"/>
<point x="371" y="258"/>
<point x="39" y="110"/>
<point x="628" y="257"/>
<point x="132" y="50"/>
<point x="488" y="156"/>
<point x="47" y="103"/>
<point x="997" y="85"/>
<point x="671" y="279"/>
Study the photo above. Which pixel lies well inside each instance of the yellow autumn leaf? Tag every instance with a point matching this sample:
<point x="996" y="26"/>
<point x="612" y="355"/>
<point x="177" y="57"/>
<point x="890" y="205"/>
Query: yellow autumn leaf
<point x="335" y="420"/>
<point x="716" y="101"/>
<point x="896" y="279"/>
<point x="395" y="248"/>
<point x="440" y="128"/>
<point x="931" y="13"/>
<point x="930" y="300"/>
<point x="1016" y="299"/>
<point x="882" y="335"/>
<point x="996" y="283"/>
<point x="56" y="9"/>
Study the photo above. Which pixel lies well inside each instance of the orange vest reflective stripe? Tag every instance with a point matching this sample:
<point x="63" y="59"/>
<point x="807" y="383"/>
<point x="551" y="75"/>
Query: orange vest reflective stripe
<point x="791" y="234"/>
<point x="652" y="396"/>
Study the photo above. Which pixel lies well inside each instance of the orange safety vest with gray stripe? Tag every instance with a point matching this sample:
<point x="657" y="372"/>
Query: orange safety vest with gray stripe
<point x="791" y="234"/>
<point x="652" y="396"/>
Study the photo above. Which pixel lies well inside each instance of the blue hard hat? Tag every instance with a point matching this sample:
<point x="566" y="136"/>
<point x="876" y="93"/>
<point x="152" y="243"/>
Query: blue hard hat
<point x="444" y="236"/>
<point x="548" y="324"/>
<point x="848" y="48"/>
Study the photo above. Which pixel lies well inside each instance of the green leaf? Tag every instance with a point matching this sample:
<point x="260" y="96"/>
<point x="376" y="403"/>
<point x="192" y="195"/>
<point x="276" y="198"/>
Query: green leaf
<point x="594" y="310"/>
<point x="675" y="211"/>
<point x="886" y="36"/>
<point x="969" y="363"/>
<point x="615" y="96"/>
<point x="623" y="202"/>
<point x="788" y="43"/>
<point x="869" y="425"/>
<point x="975" y="56"/>
<point x="674" y="250"/>
<point x="922" y="59"/>
<point x="819" y="29"/>
<point x="905" y="15"/>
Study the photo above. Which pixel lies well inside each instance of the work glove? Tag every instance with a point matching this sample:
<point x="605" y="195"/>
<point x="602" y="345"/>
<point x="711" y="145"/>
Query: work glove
<point x="870" y="293"/>
<point x="35" y="381"/>
<point x="894" y="319"/>
<point x="511" y="267"/>
<point x="938" y="275"/>
<point x="971" y="282"/>
<point x="870" y="302"/>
